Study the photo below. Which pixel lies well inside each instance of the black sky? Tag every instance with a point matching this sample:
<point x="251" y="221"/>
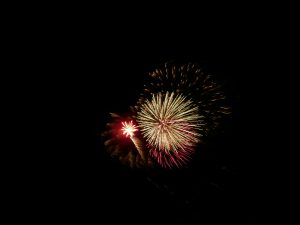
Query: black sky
<point x="91" y="71"/>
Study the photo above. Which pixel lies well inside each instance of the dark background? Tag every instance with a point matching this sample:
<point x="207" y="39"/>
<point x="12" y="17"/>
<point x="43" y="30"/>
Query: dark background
<point x="90" y="70"/>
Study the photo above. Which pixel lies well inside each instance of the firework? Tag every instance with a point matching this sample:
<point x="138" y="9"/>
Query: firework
<point x="129" y="129"/>
<point x="170" y="125"/>
<point x="179" y="107"/>
<point x="123" y="142"/>
<point x="190" y="81"/>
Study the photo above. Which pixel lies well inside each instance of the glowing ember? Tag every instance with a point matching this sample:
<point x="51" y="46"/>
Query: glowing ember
<point x="128" y="128"/>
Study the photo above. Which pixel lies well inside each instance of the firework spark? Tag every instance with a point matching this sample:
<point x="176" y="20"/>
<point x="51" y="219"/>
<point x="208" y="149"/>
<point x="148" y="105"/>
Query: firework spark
<point x="170" y="124"/>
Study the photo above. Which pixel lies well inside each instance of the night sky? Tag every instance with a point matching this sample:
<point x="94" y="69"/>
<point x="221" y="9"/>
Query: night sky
<point x="92" y="72"/>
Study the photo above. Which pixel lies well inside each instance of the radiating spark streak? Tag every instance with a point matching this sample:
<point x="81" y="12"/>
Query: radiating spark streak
<point x="169" y="122"/>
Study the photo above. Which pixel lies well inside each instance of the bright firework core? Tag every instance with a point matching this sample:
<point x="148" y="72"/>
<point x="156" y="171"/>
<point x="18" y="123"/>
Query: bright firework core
<point x="165" y="123"/>
<point x="128" y="129"/>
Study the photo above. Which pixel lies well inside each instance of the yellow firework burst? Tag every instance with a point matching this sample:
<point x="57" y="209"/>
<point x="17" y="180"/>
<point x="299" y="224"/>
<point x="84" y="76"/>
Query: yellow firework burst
<point x="170" y="122"/>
